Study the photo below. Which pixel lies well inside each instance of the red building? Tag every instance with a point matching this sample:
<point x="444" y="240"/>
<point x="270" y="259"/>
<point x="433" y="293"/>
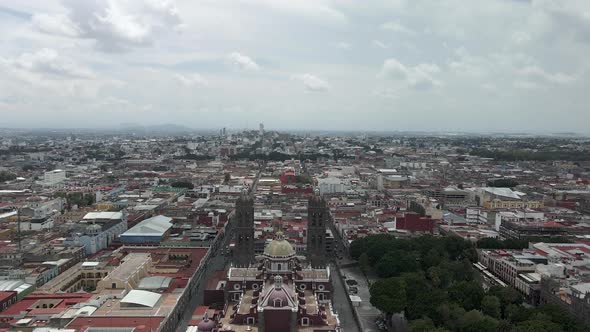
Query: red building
<point x="7" y="298"/>
<point x="412" y="222"/>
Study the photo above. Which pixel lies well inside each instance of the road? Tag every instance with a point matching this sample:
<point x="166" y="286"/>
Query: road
<point x="366" y="312"/>
<point x="342" y="306"/>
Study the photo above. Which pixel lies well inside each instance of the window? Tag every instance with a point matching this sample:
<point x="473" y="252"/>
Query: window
<point x="250" y="321"/>
<point x="236" y="297"/>
<point x="305" y="321"/>
<point x="113" y="285"/>
<point x="279" y="266"/>
<point x="302" y="286"/>
<point x="236" y="286"/>
<point x="255" y="286"/>
<point x="320" y="296"/>
<point x="321" y="287"/>
<point x="278" y="303"/>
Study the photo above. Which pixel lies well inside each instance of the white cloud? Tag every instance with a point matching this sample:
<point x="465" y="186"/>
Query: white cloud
<point x="242" y="62"/>
<point x="58" y="24"/>
<point x="343" y="45"/>
<point x="114" y="25"/>
<point x="312" y="82"/>
<point x="520" y="37"/>
<point x="534" y="73"/>
<point x="379" y="44"/>
<point x="49" y="62"/>
<point x="396" y="26"/>
<point x="420" y="76"/>
<point x="191" y="80"/>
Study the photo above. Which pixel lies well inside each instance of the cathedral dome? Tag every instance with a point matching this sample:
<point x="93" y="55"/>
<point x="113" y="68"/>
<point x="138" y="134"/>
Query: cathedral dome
<point x="279" y="247"/>
<point x="206" y="325"/>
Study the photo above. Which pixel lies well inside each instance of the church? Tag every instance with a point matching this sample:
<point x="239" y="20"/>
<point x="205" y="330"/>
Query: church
<point x="277" y="291"/>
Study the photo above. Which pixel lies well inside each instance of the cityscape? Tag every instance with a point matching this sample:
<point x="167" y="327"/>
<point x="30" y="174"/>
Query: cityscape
<point x="262" y="230"/>
<point x="294" y="166"/>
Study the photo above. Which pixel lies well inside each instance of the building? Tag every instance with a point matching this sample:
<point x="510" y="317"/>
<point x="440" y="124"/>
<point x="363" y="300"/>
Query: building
<point x="244" y="233"/>
<point x="152" y="230"/>
<point x="278" y="293"/>
<point x="54" y="177"/>
<point x="317" y="216"/>
<point x="331" y="185"/>
<point x="451" y="197"/>
<point x="7" y="298"/>
<point x="504" y="198"/>
<point x="97" y="230"/>
<point x="413" y="222"/>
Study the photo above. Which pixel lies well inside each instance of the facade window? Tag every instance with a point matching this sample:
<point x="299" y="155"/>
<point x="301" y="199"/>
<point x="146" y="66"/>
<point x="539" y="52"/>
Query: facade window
<point x="278" y="303"/>
<point x="250" y="321"/>
<point x="305" y="321"/>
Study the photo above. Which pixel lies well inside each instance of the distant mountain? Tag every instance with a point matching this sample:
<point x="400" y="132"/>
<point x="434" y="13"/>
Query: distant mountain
<point x="162" y="129"/>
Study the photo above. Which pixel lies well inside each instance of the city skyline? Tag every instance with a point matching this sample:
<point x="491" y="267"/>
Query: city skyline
<point x="501" y="66"/>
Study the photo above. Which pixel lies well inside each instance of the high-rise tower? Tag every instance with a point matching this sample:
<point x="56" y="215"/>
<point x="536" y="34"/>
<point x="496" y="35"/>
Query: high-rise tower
<point x="317" y="216"/>
<point x="244" y="218"/>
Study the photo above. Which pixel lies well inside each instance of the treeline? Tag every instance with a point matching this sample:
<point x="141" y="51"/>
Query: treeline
<point x="7" y="176"/>
<point x="493" y="243"/>
<point x="516" y="155"/>
<point x="432" y="281"/>
<point x="77" y="198"/>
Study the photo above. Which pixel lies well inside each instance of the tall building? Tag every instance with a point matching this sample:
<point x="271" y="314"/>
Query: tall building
<point x="317" y="215"/>
<point x="261" y="128"/>
<point x="244" y="217"/>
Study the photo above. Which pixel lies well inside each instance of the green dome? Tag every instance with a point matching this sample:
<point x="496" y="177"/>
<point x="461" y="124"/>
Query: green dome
<point x="279" y="247"/>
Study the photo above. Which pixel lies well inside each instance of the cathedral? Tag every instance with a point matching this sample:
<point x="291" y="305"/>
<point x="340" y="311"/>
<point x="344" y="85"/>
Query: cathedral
<point x="277" y="291"/>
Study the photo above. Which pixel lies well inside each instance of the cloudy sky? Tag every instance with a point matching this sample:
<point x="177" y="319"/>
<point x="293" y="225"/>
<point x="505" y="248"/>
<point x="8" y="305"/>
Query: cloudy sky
<point x="494" y="65"/>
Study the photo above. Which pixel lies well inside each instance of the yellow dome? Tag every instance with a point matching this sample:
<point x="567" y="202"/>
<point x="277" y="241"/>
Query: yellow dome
<point x="279" y="247"/>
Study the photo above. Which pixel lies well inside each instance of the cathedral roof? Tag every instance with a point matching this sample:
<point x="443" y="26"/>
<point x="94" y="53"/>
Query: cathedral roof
<point x="279" y="247"/>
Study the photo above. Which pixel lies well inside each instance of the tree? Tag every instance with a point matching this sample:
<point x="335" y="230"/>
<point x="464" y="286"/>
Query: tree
<point x="364" y="263"/>
<point x="537" y="326"/>
<point x="475" y="321"/>
<point x="182" y="184"/>
<point x="421" y="325"/>
<point x="389" y="295"/>
<point x="395" y="263"/>
<point x="490" y="305"/>
<point x="7" y="176"/>
<point x="506" y="295"/>
<point x="468" y="294"/>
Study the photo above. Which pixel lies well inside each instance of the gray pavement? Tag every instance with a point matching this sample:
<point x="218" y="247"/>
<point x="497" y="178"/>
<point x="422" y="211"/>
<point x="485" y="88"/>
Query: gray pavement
<point x="342" y="306"/>
<point x="366" y="312"/>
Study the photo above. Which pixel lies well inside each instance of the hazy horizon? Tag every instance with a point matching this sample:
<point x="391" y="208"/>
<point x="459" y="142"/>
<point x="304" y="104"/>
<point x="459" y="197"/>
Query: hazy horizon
<point x="385" y="66"/>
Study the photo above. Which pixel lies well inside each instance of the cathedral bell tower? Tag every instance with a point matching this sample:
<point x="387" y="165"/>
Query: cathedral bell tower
<point x="317" y="216"/>
<point x="244" y="233"/>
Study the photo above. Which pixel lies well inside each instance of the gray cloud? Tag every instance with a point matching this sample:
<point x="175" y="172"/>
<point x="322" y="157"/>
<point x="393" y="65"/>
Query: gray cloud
<point x="452" y="62"/>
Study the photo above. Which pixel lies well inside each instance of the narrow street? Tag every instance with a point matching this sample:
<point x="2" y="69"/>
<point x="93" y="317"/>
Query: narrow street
<point x="217" y="262"/>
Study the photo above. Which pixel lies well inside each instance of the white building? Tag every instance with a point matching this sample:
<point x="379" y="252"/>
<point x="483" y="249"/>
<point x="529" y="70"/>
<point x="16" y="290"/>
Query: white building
<point x="331" y="185"/>
<point x="54" y="177"/>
